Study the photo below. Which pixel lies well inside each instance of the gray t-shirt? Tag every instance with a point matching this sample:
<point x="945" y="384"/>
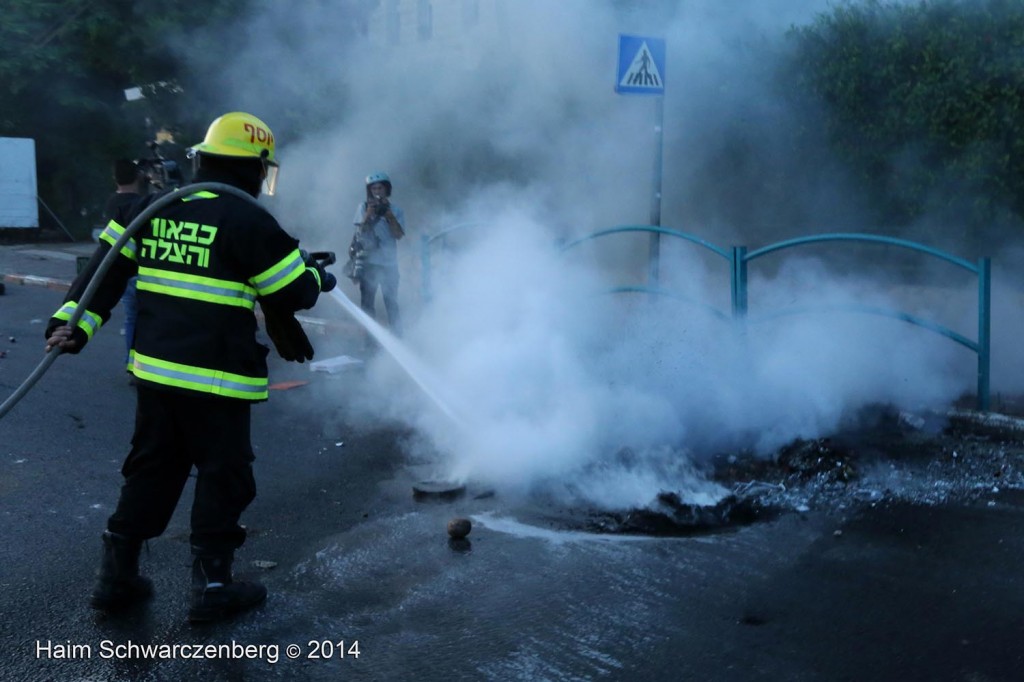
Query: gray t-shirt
<point x="384" y="250"/>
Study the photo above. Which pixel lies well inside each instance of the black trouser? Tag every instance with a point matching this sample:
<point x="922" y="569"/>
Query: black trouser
<point x="173" y="432"/>
<point x="386" y="279"/>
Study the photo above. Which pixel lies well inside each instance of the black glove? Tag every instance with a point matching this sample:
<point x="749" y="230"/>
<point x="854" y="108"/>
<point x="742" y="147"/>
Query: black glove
<point x="287" y="334"/>
<point x="327" y="280"/>
<point x="78" y="336"/>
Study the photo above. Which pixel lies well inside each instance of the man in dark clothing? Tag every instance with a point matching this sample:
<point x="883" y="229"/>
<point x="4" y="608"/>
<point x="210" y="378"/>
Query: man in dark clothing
<point x="202" y="263"/>
<point x="131" y="185"/>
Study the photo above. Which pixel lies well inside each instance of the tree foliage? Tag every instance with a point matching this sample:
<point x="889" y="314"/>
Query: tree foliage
<point x="925" y="102"/>
<point x="64" y="68"/>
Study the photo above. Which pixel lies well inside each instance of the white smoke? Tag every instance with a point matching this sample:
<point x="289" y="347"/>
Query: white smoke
<point x="556" y="380"/>
<point x="518" y="130"/>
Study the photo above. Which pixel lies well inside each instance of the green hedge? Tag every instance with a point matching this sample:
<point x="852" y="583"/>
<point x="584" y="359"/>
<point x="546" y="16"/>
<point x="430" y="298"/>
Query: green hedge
<point x="925" y="102"/>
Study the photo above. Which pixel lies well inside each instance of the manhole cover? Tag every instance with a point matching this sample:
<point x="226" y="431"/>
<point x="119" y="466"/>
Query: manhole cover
<point x="438" y="490"/>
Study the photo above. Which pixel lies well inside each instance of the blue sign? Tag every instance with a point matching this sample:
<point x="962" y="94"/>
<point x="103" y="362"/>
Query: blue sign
<point x="641" y="66"/>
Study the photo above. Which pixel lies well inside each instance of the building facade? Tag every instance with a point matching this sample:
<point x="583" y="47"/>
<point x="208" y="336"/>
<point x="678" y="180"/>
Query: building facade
<point x="448" y="25"/>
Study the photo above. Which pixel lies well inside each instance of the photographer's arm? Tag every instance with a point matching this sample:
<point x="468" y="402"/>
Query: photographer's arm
<point x="369" y="215"/>
<point x="394" y="226"/>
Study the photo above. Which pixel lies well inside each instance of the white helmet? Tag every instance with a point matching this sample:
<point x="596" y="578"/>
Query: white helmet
<point x="380" y="177"/>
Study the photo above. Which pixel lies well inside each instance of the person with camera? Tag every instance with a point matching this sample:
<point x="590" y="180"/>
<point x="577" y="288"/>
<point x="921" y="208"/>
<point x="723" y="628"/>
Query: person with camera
<point x="374" y="249"/>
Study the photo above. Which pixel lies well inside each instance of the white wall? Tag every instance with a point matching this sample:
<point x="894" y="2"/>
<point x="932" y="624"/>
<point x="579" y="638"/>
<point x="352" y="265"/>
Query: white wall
<point x="18" y="204"/>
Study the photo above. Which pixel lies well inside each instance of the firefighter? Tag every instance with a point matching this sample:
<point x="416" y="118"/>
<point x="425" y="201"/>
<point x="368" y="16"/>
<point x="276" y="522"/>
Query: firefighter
<point x="202" y="264"/>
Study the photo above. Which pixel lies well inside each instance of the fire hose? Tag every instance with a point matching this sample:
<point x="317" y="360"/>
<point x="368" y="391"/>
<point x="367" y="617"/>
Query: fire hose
<point x="324" y="257"/>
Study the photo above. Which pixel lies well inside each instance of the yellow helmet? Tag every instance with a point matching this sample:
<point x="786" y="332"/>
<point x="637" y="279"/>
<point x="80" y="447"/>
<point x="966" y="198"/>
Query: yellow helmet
<point x="241" y="135"/>
<point x="238" y="134"/>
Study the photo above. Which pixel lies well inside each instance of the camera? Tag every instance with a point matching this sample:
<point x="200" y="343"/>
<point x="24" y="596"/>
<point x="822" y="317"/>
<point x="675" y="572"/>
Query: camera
<point x="356" y="259"/>
<point x="160" y="172"/>
<point x="381" y="209"/>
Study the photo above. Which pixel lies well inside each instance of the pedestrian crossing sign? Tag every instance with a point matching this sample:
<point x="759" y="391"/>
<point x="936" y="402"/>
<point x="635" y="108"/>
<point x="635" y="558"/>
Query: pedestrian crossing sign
<point x="641" y="66"/>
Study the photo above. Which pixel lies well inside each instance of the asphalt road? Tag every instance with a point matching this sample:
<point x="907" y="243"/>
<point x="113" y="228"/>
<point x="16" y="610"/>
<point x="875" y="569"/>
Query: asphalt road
<point x="879" y="590"/>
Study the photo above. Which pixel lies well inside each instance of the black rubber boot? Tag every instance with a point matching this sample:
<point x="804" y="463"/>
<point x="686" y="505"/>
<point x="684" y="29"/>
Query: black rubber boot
<point x="120" y="584"/>
<point x="215" y="595"/>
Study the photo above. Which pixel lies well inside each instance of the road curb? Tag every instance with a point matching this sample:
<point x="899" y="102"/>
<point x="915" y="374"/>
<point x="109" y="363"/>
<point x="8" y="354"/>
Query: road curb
<point x="48" y="282"/>
<point x="988" y="423"/>
<point x="321" y="325"/>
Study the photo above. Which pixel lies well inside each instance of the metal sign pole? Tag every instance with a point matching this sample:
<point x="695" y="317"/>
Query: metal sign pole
<point x="654" y="256"/>
<point x="641" y="71"/>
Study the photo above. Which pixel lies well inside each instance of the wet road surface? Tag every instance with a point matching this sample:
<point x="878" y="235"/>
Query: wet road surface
<point x="890" y="589"/>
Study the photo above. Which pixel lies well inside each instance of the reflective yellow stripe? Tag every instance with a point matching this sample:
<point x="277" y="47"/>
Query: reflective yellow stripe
<point x="112" y="232"/>
<point x="89" y="323"/>
<point x="198" y="378"/>
<point x="208" y="289"/>
<point x="280" y="275"/>
<point x="200" y="195"/>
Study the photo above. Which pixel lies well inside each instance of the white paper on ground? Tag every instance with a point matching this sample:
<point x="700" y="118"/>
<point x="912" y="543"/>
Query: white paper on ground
<point x="334" y="365"/>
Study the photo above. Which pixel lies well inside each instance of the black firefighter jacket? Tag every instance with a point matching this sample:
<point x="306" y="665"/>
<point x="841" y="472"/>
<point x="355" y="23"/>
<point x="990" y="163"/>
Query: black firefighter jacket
<point x="202" y="262"/>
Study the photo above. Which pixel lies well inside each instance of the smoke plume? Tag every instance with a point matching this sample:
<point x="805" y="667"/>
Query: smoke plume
<point x="512" y="126"/>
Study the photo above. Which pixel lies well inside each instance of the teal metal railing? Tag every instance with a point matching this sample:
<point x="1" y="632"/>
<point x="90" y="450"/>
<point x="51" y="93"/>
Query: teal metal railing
<point x="982" y="269"/>
<point x="426" y="244"/>
<point x="739" y="259"/>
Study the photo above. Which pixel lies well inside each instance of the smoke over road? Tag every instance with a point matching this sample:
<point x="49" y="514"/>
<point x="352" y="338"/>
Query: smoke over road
<point x="514" y="125"/>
